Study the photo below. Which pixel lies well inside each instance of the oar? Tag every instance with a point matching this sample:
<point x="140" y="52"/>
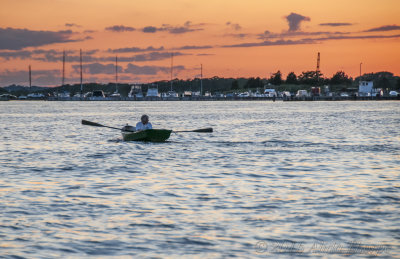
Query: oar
<point x="205" y="130"/>
<point x="89" y="123"/>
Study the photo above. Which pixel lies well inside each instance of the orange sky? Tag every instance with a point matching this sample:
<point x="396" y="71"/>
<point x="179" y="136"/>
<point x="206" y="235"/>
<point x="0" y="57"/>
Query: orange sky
<point x="231" y="34"/>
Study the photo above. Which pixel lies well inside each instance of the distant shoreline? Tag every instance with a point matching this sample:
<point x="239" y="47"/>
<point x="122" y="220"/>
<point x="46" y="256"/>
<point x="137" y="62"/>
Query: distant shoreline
<point x="159" y="99"/>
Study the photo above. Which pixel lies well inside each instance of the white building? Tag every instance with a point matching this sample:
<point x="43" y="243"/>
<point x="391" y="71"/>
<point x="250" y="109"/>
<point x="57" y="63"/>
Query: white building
<point x="365" y="88"/>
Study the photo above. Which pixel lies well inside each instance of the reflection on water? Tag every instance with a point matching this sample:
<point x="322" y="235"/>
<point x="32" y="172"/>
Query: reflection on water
<point x="302" y="173"/>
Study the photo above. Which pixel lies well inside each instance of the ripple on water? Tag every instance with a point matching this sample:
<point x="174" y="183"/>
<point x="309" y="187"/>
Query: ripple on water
<point x="279" y="173"/>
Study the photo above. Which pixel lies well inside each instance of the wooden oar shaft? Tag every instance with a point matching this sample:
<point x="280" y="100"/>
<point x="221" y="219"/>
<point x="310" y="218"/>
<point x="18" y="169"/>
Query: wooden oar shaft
<point x="205" y="130"/>
<point x="90" y="123"/>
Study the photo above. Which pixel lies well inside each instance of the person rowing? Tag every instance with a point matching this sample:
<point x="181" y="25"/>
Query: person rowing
<point x="144" y="123"/>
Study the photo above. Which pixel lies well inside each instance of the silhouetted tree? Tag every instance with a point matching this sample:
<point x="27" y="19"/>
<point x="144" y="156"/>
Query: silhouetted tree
<point x="276" y="79"/>
<point x="309" y="78"/>
<point x="340" y="78"/>
<point x="382" y="82"/>
<point x="254" y="83"/>
<point x="291" y="78"/>
<point x="235" y="85"/>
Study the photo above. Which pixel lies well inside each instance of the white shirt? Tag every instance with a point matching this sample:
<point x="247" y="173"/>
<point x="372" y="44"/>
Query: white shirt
<point x="140" y="126"/>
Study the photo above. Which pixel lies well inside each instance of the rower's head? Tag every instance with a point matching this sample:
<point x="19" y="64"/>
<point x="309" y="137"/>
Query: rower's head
<point x="144" y="119"/>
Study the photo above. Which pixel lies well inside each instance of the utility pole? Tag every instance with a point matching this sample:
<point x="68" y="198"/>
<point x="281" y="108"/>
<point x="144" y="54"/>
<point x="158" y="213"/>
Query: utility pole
<point x="360" y="71"/>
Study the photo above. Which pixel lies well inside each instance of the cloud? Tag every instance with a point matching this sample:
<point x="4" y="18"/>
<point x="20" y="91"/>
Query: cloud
<point x="294" y="20"/>
<point x="120" y="28"/>
<point x="205" y="54"/>
<point x="150" y="29"/>
<point x="22" y="54"/>
<point x="271" y="43"/>
<point x="48" y="55"/>
<point x="88" y="56"/>
<point x="152" y="56"/>
<point x="135" y="49"/>
<point x="149" y="70"/>
<point x="72" y="25"/>
<point x="361" y="37"/>
<point x="309" y="40"/>
<point x="71" y="55"/>
<point x="393" y="27"/>
<point x="234" y="26"/>
<point x="270" y="35"/>
<point x="189" y="47"/>
<point x="238" y="35"/>
<point x="16" y="39"/>
<point x="187" y="27"/>
<point x="97" y="68"/>
<point x="39" y="77"/>
<point x="181" y="29"/>
<point x="335" y="24"/>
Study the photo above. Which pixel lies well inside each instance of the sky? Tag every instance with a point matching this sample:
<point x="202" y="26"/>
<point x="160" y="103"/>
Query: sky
<point x="235" y="38"/>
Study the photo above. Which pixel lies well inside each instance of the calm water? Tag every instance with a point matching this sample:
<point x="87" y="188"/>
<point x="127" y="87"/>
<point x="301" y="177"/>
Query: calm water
<point x="304" y="179"/>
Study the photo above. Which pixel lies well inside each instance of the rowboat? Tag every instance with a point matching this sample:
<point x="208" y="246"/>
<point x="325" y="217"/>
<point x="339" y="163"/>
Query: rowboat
<point x="151" y="135"/>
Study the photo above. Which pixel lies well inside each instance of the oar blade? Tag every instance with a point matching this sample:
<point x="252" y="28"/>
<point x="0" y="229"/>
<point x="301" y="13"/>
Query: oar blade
<point x="90" y="123"/>
<point x="205" y="130"/>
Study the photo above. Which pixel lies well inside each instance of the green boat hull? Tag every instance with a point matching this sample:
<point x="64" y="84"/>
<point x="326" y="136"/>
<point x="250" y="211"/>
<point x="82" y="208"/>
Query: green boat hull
<point x="151" y="135"/>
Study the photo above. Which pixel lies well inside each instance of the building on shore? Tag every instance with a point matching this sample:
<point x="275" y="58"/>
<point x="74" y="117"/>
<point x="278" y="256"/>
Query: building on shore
<point x="366" y="88"/>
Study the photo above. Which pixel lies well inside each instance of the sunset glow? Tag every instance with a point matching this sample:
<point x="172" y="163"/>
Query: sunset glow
<point x="230" y="38"/>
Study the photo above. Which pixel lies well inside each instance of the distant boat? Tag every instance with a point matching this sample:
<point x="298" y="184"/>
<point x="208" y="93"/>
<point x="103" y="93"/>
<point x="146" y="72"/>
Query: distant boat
<point x="97" y="95"/>
<point x="115" y="95"/>
<point x="244" y="95"/>
<point x="152" y="93"/>
<point x="63" y="95"/>
<point x="136" y="92"/>
<point x="270" y="93"/>
<point x="139" y="95"/>
<point x="35" y="95"/>
<point x="170" y="95"/>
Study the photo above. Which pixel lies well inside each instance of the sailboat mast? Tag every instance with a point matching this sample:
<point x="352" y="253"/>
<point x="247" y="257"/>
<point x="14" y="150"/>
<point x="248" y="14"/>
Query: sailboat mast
<point x="63" y="70"/>
<point x="201" y="79"/>
<point x="30" y="77"/>
<point x="172" y="67"/>
<point x="80" y="59"/>
<point x="116" y="74"/>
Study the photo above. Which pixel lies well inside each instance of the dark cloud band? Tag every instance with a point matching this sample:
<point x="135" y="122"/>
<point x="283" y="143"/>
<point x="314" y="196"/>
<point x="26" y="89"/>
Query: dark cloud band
<point x="336" y="24"/>
<point x="393" y="27"/>
<point x="16" y="39"/>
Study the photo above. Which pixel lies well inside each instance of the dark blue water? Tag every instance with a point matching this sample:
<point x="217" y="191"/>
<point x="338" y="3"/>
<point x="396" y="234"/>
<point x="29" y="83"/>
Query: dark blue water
<point x="293" y="179"/>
